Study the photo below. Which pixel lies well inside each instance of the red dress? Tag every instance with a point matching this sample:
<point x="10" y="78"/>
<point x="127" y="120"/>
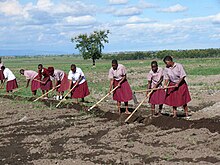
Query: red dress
<point x="11" y="85"/>
<point x="2" y="77"/>
<point x="64" y="84"/>
<point x="81" y="90"/>
<point x="122" y="93"/>
<point x="47" y="85"/>
<point x="157" y="97"/>
<point x="178" y="96"/>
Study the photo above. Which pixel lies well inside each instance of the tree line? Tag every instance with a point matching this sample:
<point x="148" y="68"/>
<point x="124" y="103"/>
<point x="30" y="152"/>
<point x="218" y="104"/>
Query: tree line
<point x="140" y="55"/>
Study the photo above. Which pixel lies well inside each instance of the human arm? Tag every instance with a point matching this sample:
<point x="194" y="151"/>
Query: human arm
<point x="111" y="85"/>
<point x="28" y="82"/>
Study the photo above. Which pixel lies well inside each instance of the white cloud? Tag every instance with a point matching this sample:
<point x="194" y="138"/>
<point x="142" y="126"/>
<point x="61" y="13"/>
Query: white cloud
<point x="44" y="5"/>
<point x="216" y="18"/>
<point x="12" y="8"/>
<point x="118" y="2"/>
<point x="215" y="36"/>
<point x="129" y="11"/>
<point x="195" y="20"/>
<point x="80" y="21"/>
<point x="143" y="5"/>
<point x="133" y="20"/>
<point x="174" y="9"/>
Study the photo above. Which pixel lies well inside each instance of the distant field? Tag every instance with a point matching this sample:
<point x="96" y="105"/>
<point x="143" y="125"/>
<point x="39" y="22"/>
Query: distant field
<point x="97" y="77"/>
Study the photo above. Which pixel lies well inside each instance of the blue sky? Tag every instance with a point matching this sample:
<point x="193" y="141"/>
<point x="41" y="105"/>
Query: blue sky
<point x="32" y="27"/>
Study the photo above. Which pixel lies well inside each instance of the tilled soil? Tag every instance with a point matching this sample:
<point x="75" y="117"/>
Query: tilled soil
<point x="40" y="134"/>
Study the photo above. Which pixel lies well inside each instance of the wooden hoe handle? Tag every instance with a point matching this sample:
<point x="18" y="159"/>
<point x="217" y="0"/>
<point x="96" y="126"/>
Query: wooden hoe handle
<point x="102" y="98"/>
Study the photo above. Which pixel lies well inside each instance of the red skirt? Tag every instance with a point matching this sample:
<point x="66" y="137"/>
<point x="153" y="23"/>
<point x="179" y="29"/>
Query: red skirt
<point x="46" y="86"/>
<point x="64" y="84"/>
<point x="11" y="85"/>
<point x="35" y="84"/>
<point x="80" y="91"/>
<point x="2" y="77"/>
<point x="122" y="93"/>
<point x="177" y="96"/>
<point x="158" y="97"/>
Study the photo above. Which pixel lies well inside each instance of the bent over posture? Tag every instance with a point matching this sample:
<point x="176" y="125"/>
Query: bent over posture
<point x="46" y="83"/>
<point x="60" y="78"/>
<point x="11" y="79"/>
<point x="1" y="72"/>
<point x="32" y="77"/>
<point x="77" y="78"/>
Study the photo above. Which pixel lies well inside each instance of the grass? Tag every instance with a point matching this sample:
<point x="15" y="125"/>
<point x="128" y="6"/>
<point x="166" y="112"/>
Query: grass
<point x="97" y="76"/>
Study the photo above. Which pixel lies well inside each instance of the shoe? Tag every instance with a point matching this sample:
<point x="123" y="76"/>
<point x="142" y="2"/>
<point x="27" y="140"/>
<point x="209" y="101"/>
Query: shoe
<point x="187" y="118"/>
<point x="57" y="97"/>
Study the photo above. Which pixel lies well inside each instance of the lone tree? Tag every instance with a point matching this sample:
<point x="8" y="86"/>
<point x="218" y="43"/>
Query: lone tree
<point x="90" y="46"/>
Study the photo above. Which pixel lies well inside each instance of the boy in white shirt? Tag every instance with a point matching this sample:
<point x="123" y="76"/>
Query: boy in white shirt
<point x="77" y="77"/>
<point x="11" y="79"/>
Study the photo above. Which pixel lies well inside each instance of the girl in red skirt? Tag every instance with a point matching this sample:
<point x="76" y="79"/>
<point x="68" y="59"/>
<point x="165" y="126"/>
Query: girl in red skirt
<point x="174" y="75"/>
<point x="155" y="78"/>
<point x="123" y="93"/>
<point x="32" y="77"/>
<point x="46" y="83"/>
<point x="60" y="78"/>
<point x="11" y="79"/>
<point x="1" y="72"/>
<point x="77" y="77"/>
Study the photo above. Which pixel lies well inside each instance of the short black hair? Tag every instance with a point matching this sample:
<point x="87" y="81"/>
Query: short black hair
<point x="40" y="65"/>
<point x="21" y="70"/>
<point x="154" y="63"/>
<point x="3" y="68"/>
<point x="73" y="66"/>
<point x="114" y="61"/>
<point x="168" y="58"/>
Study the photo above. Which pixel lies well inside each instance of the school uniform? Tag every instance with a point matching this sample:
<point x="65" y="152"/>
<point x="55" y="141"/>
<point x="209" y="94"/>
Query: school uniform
<point x="2" y="77"/>
<point x="81" y="90"/>
<point x="176" y="96"/>
<point x="122" y="93"/>
<point x="46" y="78"/>
<point x="11" y="80"/>
<point x="61" y="79"/>
<point x="158" y="96"/>
<point x="32" y="76"/>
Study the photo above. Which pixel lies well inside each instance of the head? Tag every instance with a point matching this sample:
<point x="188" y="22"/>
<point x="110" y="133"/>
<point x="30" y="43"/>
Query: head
<point x="114" y="64"/>
<point x="51" y="71"/>
<point x="168" y="60"/>
<point x="154" y="66"/>
<point x="3" y="68"/>
<point x="40" y="67"/>
<point x="22" y="71"/>
<point x="73" y="68"/>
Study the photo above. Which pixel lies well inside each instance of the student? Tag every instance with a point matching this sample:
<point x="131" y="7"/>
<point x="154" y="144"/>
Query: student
<point x="77" y="77"/>
<point x="1" y="72"/>
<point x="174" y="75"/>
<point x="155" y="78"/>
<point x="117" y="76"/>
<point x="11" y="79"/>
<point x="59" y="77"/>
<point x="31" y="76"/>
<point x="44" y="76"/>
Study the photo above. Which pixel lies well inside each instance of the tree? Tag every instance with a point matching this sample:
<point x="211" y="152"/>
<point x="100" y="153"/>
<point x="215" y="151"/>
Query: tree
<point x="90" y="46"/>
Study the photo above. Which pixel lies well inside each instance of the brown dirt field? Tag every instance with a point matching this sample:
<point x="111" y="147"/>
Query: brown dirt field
<point x="40" y="134"/>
